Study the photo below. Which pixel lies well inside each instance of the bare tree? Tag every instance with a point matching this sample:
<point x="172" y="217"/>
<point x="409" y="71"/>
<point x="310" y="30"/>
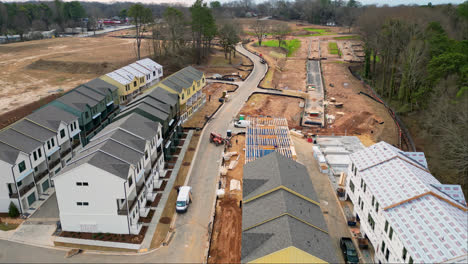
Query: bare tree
<point x="280" y="31"/>
<point x="260" y="28"/>
<point x="141" y="16"/>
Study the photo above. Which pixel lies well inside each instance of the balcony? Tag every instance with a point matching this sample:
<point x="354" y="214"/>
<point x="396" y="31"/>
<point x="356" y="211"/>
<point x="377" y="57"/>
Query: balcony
<point x="150" y="196"/>
<point x="140" y="188"/>
<point x="124" y="211"/>
<point x="23" y="190"/>
<point x="41" y="175"/>
<point x="144" y="211"/>
<point x="53" y="164"/>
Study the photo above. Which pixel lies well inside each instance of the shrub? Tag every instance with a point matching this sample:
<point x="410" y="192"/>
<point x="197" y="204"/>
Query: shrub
<point x="13" y="211"/>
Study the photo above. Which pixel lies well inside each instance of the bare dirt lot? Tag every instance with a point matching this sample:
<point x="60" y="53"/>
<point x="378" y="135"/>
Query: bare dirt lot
<point x="34" y="69"/>
<point x="274" y="105"/>
<point x="359" y="115"/>
<point x="218" y="64"/>
<point x="226" y="238"/>
<point x="213" y="92"/>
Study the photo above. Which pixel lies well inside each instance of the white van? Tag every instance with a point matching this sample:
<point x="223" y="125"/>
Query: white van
<point x="242" y="123"/>
<point x="183" y="198"/>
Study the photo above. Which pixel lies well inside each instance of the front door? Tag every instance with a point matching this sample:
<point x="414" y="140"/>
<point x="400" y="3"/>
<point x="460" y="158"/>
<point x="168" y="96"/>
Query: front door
<point x="45" y="185"/>
<point x="31" y="198"/>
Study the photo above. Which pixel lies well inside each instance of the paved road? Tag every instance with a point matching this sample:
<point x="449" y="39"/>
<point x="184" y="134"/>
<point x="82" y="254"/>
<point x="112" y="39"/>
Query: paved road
<point x="189" y="242"/>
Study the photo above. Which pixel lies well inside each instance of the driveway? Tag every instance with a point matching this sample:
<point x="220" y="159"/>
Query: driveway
<point x="190" y="240"/>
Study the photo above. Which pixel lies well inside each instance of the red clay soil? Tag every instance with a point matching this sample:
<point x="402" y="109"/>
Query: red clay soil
<point x="228" y="246"/>
<point x="132" y="239"/>
<point x="148" y="218"/>
<point x="168" y="175"/>
<point x="10" y="117"/>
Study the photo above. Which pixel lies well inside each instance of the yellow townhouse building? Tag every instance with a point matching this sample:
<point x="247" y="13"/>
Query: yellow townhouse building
<point x="128" y="82"/>
<point x="188" y="84"/>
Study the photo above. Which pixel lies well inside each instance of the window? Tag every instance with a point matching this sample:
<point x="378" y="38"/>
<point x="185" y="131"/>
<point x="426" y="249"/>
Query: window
<point x="387" y="254"/>
<point x="365" y="187"/>
<point x="22" y="166"/>
<point x="86" y="114"/>
<point x="373" y="200"/>
<point x="154" y="73"/>
<point x="39" y="153"/>
<point x="410" y="260"/>
<point x="376" y="207"/>
<point x="383" y="246"/>
<point x="362" y="205"/>
<point x="390" y="235"/>
<point x="404" y="254"/>
<point x="359" y="200"/>
<point x="130" y="181"/>
<point x="362" y="183"/>
<point x="85" y="184"/>
<point x="48" y="144"/>
<point x="85" y="203"/>
<point x="351" y="186"/>
<point x="146" y="154"/>
<point x="183" y="96"/>
<point x="19" y="183"/>
<point x="370" y="220"/>
<point x="134" y="84"/>
<point x="79" y="184"/>
<point x="79" y="203"/>
<point x="35" y="155"/>
<point x="386" y="226"/>
<point x="352" y="166"/>
<point x="62" y="133"/>
<point x="53" y="142"/>
<point x="142" y="79"/>
<point x="355" y="171"/>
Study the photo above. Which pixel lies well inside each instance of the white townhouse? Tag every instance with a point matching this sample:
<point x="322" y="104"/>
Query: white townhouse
<point x="406" y="213"/>
<point x="33" y="150"/>
<point x="110" y="184"/>
<point x="154" y="70"/>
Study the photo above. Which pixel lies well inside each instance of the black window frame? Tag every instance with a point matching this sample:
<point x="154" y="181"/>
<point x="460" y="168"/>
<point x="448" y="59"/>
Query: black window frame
<point x="62" y="133"/>
<point x="22" y="166"/>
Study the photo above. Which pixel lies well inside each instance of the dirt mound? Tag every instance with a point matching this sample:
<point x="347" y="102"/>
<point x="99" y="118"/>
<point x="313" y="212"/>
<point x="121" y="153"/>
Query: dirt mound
<point x="362" y="122"/>
<point x="71" y="67"/>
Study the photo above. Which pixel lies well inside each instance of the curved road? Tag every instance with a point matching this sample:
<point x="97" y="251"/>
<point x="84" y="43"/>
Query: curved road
<point x="190" y="239"/>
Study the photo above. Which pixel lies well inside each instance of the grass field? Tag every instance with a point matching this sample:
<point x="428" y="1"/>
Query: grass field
<point x="317" y="32"/>
<point x="333" y="48"/>
<point x="7" y="227"/>
<point x="347" y="37"/>
<point x="291" y="45"/>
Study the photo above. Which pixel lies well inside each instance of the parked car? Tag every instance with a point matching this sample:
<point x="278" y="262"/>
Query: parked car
<point x="241" y="123"/>
<point x="183" y="199"/>
<point x="349" y="250"/>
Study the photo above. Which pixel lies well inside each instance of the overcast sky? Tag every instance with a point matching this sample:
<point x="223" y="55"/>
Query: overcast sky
<point x="189" y="2"/>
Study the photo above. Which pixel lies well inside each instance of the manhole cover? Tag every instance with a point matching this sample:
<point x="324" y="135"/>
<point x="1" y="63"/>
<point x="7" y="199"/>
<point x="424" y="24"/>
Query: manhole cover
<point x="186" y="163"/>
<point x="165" y="220"/>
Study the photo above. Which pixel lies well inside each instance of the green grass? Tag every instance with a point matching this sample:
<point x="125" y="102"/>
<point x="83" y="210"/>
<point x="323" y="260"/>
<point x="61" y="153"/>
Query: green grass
<point x="7" y="227"/>
<point x="333" y="48"/>
<point x="291" y="45"/>
<point x="347" y="37"/>
<point x="338" y="62"/>
<point x="318" y="30"/>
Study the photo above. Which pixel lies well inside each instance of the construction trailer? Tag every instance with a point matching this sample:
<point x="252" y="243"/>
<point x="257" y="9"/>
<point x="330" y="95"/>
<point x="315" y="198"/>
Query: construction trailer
<point x="265" y="135"/>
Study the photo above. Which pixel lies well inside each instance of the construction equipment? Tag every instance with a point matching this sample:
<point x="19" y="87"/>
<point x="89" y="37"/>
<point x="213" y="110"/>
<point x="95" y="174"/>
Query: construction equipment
<point x="217" y="139"/>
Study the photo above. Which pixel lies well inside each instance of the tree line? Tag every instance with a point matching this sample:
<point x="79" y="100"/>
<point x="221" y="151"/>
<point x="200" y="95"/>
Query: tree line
<point x="20" y="18"/>
<point x="416" y="57"/>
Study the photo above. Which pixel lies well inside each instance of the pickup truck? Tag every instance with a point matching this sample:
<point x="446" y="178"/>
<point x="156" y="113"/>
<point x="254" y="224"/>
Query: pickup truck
<point x="348" y="250"/>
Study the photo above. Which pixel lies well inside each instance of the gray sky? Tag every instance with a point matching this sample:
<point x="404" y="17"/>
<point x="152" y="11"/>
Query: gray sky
<point x="189" y="2"/>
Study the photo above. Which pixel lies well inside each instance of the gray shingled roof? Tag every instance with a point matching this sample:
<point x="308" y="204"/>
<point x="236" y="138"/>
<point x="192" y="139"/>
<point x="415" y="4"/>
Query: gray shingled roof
<point x="100" y="160"/>
<point x="33" y="130"/>
<point x="137" y="124"/>
<point x="183" y="78"/>
<point x="116" y="149"/>
<point x="150" y="109"/>
<point x="282" y="233"/>
<point x="164" y="96"/>
<point x="8" y="154"/>
<point x="273" y="170"/>
<point x="51" y="116"/>
<point x="89" y="92"/>
<point x="77" y="100"/>
<point x="279" y="202"/>
<point x="100" y="85"/>
<point x="122" y="136"/>
<point x="19" y="141"/>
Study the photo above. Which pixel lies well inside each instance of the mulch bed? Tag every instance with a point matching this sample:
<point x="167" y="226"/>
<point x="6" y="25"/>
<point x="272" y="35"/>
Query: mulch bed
<point x="168" y="175"/>
<point x="183" y="136"/>
<point x="156" y="200"/>
<point x="191" y="149"/>
<point x="132" y="239"/>
<point x="163" y="186"/>
<point x="148" y="218"/>
<point x="181" y="142"/>
<point x="186" y="163"/>
<point x="177" y="152"/>
<point x="165" y="220"/>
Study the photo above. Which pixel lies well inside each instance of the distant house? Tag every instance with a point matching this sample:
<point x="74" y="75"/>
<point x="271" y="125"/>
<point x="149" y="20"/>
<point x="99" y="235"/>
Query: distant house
<point x="110" y="184"/>
<point x="134" y="78"/>
<point x="406" y="213"/>
<point x="281" y="217"/>
<point x="95" y="103"/>
<point x="188" y="84"/>
<point x="160" y="106"/>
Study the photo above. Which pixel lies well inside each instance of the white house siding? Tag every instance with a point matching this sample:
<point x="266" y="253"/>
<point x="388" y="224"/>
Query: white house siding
<point x="5" y="178"/>
<point x="102" y="193"/>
